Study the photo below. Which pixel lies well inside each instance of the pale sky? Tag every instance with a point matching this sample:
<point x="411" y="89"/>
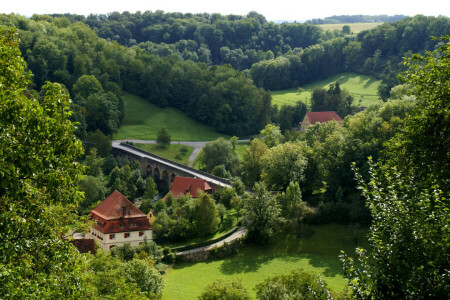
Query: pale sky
<point x="272" y="10"/>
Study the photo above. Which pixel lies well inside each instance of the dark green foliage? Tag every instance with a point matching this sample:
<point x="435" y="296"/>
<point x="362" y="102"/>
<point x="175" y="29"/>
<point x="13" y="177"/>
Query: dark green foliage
<point x="225" y="290"/>
<point x="217" y="153"/>
<point x="94" y="190"/>
<point x="163" y="137"/>
<point x="262" y="215"/>
<point x="296" y="285"/>
<point x="96" y="139"/>
<point x="205" y="215"/>
<point x="334" y="99"/>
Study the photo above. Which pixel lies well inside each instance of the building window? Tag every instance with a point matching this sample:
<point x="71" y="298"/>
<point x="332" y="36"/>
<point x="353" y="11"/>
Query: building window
<point x="111" y="246"/>
<point x="141" y="233"/>
<point x="121" y="225"/>
<point x="132" y="224"/>
<point x="126" y="235"/>
<point x="112" y="236"/>
<point x="140" y="243"/>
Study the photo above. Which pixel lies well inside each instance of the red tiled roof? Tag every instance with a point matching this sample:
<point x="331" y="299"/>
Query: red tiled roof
<point x="110" y="217"/>
<point x="183" y="185"/>
<point x="322" y="116"/>
<point x="112" y="208"/>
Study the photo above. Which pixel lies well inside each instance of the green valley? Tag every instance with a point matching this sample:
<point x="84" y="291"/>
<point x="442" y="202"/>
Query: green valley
<point x="363" y="88"/>
<point x="143" y="120"/>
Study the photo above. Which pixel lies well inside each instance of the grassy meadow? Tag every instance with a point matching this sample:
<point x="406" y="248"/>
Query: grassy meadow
<point x="363" y="88"/>
<point x="354" y="27"/>
<point x="176" y="152"/>
<point x="143" y="120"/>
<point x="317" y="251"/>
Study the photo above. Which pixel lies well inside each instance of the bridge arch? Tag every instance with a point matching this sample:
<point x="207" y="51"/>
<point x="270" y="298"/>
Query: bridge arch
<point x="149" y="171"/>
<point x="157" y="174"/>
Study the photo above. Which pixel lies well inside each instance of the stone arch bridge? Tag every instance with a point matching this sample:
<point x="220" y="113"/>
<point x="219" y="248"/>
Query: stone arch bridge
<point x="162" y="169"/>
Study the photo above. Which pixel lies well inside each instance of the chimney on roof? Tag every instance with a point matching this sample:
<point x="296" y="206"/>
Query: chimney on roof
<point x="124" y="211"/>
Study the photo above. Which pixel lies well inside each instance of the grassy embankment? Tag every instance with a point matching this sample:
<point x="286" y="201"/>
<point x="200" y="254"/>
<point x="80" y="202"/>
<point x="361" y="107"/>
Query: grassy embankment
<point x="176" y="152"/>
<point x="317" y="251"/>
<point x="363" y="89"/>
<point x="354" y="27"/>
<point x="143" y="120"/>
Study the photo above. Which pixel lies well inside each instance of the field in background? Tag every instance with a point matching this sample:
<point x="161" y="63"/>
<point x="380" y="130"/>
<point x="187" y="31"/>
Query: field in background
<point x="354" y="27"/>
<point x="143" y="120"/>
<point x="317" y="252"/>
<point x="363" y="88"/>
<point x="176" y="152"/>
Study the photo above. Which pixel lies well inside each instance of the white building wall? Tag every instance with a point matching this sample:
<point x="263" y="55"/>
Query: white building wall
<point x="119" y="238"/>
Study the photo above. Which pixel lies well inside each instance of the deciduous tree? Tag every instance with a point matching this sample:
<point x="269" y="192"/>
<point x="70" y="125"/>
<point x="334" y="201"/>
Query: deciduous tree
<point x="262" y="215"/>
<point x="38" y="173"/>
<point x="205" y="215"/>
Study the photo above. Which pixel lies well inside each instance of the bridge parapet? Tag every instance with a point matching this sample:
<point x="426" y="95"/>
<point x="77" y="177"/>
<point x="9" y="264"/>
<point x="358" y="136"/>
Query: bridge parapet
<point x="173" y="168"/>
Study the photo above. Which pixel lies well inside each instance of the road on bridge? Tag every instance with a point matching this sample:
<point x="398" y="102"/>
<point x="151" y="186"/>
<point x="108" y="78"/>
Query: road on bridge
<point x="197" y="145"/>
<point x="195" y="173"/>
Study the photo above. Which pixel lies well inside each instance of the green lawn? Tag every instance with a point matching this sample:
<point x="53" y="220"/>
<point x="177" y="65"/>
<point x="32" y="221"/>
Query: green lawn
<point x="143" y="120"/>
<point x="361" y="87"/>
<point x="317" y="252"/>
<point x="354" y="27"/>
<point x="176" y="152"/>
<point x="240" y="149"/>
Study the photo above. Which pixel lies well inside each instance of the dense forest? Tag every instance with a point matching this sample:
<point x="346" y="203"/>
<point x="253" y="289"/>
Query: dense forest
<point x="192" y="62"/>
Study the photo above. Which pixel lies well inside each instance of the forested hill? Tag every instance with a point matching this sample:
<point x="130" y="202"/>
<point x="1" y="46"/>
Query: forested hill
<point x="95" y="71"/>
<point x="278" y="56"/>
<point x="356" y="19"/>
<point x="213" y="67"/>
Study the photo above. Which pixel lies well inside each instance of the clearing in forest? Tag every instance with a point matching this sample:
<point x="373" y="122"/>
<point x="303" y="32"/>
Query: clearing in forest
<point x="354" y="27"/>
<point x="363" y="88"/>
<point x="143" y="120"/>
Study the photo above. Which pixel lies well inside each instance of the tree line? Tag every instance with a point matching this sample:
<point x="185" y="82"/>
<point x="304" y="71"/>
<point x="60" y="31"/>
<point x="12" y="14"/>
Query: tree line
<point x="96" y="72"/>
<point x="301" y="52"/>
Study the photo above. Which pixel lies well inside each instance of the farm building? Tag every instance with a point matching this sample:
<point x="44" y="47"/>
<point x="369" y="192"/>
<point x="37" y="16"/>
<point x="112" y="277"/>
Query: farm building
<point x="184" y="185"/>
<point x="118" y="221"/>
<point x="312" y="118"/>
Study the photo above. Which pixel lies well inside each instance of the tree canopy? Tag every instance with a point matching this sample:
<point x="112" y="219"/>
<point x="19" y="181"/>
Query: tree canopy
<point x="39" y="172"/>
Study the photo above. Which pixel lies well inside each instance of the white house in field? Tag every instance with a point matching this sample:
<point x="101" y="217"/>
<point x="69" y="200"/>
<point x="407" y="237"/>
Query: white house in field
<point x="118" y="222"/>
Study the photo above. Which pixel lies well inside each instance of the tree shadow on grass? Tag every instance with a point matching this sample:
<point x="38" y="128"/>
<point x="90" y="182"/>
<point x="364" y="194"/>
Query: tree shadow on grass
<point x="369" y="82"/>
<point x="243" y="264"/>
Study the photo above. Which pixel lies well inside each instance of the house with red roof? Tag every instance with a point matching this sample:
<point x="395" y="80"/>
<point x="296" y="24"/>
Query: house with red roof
<point x="118" y="221"/>
<point x="184" y="185"/>
<point x="312" y="118"/>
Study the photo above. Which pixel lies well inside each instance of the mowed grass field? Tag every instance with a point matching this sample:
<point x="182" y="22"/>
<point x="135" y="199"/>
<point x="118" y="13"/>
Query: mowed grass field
<point x="316" y="252"/>
<point x="143" y="120"/>
<point x="176" y="152"/>
<point x="354" y="27"/>
<point x="363" y="89"/>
